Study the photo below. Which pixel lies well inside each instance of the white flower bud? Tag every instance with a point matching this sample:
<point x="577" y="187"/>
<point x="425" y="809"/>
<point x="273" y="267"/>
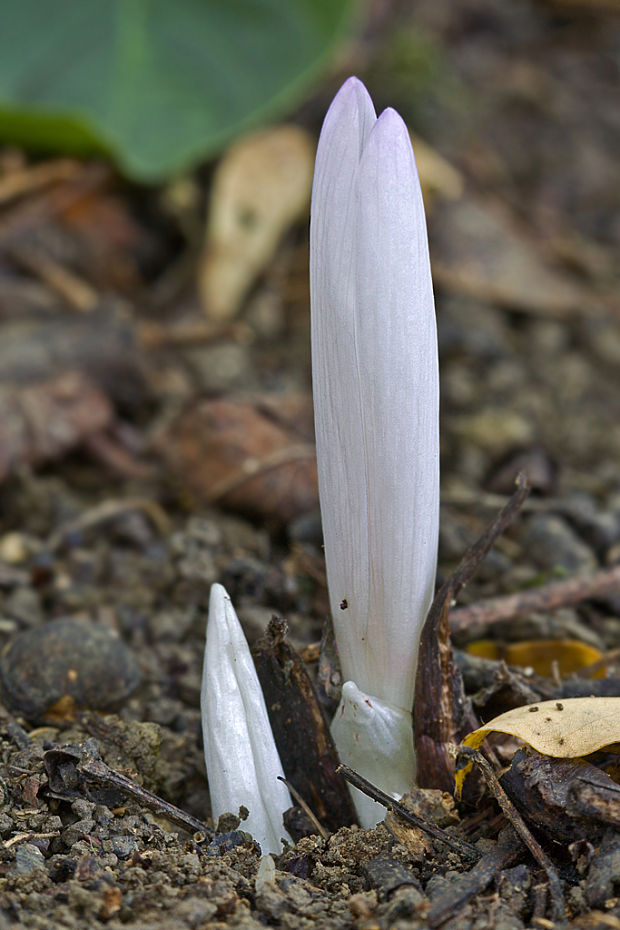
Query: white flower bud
<point x="242" y="760"/>
<point x="376" y="401"/>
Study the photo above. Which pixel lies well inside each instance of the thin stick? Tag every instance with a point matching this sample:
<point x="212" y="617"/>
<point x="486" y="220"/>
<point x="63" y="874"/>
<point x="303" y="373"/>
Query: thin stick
<point x="109" y="510"/>
<point x="511" y="813"/>
<point x="439" y="695"/>
<point x="97" y="771"/>
<point x="69" y="762"/>
<point x="546" y="597"/>
<point x="74" y="290"/>
<point x="305" y="808"/>
<point x="34" y="177"/>
<point x="459" y="846"/>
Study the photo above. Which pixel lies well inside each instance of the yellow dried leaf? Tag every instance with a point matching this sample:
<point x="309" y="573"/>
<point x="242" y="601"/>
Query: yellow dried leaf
<point x="540" y="654"/>
<point x="565" y="729"/>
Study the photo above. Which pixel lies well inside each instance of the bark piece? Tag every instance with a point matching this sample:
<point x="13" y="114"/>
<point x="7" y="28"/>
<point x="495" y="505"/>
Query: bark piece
<point x="567" y="799"/>
<point x="300" y="729"/>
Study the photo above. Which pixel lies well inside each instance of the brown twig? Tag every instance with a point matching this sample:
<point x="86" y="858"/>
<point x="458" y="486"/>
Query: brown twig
<point x="511" y="813"/>
<point x="474" y="556"/>
<point x="109" y="510"/>
<point x="34" y="177"/>
<point x="74" y="290"/>
<point x="159" y="336"/>
<point x="439" y="703"/>
<point x="459" y="846"/>
<point x="69" y="763"/>
<point x="97" y="771"/>
<point x="546" y="597"/>
<point x="305" y="808"/>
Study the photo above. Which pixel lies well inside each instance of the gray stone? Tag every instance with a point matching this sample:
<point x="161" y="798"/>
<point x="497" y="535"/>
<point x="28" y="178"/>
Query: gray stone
<point x="28" y="857"/>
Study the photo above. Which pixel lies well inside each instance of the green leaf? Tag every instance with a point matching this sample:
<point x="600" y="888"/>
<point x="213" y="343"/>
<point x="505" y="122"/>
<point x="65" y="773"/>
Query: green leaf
<point x="158" y="84"/>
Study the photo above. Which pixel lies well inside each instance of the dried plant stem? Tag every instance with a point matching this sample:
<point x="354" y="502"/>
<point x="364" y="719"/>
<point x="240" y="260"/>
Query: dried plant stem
<point x="305" y="808"/>
<point x="459" y="846"/>
<point x="511" y="813"/>
<point x="546" y="597"/>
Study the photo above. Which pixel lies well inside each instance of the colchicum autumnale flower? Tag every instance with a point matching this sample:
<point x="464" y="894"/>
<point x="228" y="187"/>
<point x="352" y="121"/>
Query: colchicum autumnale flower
<point x="242" y="761"/>
<point x="376" y="401"/>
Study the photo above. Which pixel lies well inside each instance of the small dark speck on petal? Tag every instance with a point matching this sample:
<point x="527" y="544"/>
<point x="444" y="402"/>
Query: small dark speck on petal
<point x="344" y="604"/>
<point x="559" y="706"/>
<point x="533" y="710"/>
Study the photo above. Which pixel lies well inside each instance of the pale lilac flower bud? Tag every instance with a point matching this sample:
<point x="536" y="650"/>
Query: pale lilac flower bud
<point x="376" y="401"/>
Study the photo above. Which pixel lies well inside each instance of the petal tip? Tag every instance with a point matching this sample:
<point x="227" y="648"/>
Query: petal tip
<point x="351" y="104"/>
<point x="354" y="91"/>
<point x="391" y="124"/>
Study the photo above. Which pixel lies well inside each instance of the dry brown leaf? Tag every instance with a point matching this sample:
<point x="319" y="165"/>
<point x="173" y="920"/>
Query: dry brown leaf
<point x="261" y="187"/>
<point x="41" y="422"/>
<point x="480" y="252"/>
<point x="564" y="729"/>
<point x="103" y="346"/>
<point x="247" y="455"/>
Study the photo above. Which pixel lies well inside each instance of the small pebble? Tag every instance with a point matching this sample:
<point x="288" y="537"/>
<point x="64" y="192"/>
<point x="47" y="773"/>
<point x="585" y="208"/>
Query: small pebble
<point x="76" y="662"/>
<point x="28" y="858"/>
<point x="123" y="846"/>
<point x="552" y="544"/>
<point x="13" y="548"/>
<point x="224" y="842"/>
<point x="387" y="874"/>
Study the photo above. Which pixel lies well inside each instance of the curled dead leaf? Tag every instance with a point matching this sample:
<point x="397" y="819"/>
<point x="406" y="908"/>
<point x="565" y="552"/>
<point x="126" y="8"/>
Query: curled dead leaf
<point x="261" y="187"/>
<point x="480" y="252"/>
<point x="251" y="456"/>
<point x="565" y="729"/>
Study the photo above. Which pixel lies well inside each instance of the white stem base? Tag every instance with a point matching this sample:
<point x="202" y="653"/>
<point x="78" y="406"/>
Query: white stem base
<point x="375" y="739"/>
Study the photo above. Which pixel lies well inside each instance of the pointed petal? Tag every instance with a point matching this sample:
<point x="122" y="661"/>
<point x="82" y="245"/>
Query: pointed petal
<point x="240" y="753"/>
<point x="376" y="740"/>
<point x="338" y="416"/>
<point x="346" y="127"/>
<point x="396" y="350"/>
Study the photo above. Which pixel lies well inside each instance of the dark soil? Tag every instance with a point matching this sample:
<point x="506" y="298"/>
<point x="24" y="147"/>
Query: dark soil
<point x="101" y="531"/>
